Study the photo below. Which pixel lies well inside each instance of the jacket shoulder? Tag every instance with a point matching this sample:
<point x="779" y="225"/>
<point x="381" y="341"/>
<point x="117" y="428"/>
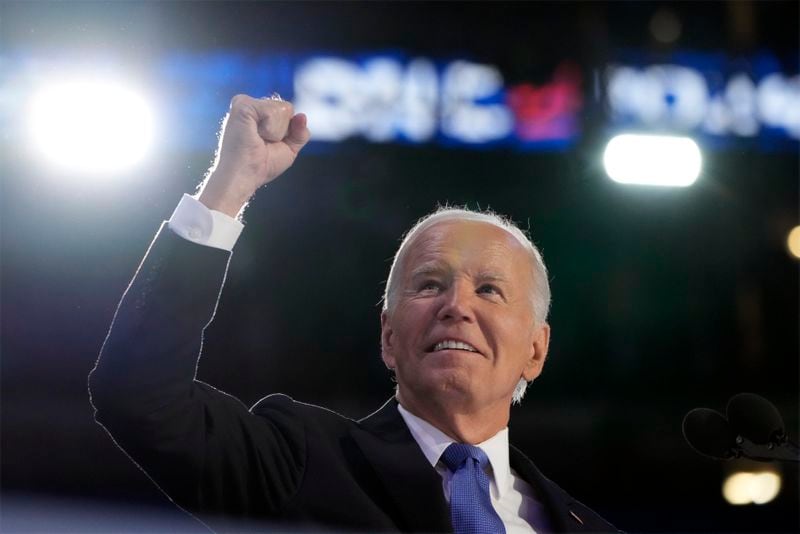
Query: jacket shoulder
<point x="281" y="407"/>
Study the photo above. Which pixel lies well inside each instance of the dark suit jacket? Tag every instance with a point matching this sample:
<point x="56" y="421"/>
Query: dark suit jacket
<point x="283" y="461"/>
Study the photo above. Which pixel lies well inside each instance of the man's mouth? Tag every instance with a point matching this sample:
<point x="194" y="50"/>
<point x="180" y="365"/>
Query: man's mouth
<point x="452" y="344"/>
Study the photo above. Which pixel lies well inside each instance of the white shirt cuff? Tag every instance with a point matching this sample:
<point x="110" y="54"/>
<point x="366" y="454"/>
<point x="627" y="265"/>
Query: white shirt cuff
<point x="193" y="221"/>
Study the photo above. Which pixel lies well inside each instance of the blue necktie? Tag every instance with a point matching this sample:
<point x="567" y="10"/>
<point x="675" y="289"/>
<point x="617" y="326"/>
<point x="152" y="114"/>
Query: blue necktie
<point x="470" y="505"/>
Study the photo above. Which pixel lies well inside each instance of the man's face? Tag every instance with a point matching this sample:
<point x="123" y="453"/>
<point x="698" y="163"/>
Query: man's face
<point x="462" y="328"/>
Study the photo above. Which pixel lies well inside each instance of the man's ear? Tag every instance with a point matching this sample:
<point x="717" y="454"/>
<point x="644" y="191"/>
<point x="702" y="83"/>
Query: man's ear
<point x="538" y="355"/>
<point x="387" y="352"/>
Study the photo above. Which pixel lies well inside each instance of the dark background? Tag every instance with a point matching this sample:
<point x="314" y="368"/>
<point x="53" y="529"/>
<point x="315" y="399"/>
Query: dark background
<point x="663" y="300"/>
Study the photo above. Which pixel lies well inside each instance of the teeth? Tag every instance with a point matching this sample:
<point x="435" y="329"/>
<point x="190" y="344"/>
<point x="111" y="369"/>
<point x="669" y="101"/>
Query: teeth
<point x="451" y="344"/>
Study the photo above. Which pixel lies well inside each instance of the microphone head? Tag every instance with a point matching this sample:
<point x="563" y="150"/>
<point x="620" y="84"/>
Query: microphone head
<point x="708" y="432"/>
<point x="755" y="418"/>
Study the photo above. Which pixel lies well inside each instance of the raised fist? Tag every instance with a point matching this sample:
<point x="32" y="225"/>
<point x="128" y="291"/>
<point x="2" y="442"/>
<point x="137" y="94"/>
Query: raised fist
<point x="260" y="139"/>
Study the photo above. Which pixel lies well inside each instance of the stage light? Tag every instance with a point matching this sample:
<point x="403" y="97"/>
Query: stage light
<point x="652" y="160"/>
<point x="793" y="242"/>
<point x="90" y="127"/>
<point x="751" y="488"/>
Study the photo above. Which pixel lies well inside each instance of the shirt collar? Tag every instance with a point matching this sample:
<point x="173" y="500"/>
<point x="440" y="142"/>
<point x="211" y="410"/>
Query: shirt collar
<point x="433" y="442"/>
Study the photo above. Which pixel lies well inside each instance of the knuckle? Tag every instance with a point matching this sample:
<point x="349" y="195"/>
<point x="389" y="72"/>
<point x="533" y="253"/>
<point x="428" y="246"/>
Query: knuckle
<point x="238" y="101"/>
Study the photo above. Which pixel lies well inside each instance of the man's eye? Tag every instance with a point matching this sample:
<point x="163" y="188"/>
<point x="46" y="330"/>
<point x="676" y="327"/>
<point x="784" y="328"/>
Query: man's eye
<point x="430" y="286"/>
<point x="489" y="289"/>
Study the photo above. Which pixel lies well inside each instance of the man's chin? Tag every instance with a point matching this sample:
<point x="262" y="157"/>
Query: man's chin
<point x="446" y="385"/>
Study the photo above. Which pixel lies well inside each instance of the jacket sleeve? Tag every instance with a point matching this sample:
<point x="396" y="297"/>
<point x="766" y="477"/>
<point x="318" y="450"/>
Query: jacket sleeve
<point x="202" y="447"/>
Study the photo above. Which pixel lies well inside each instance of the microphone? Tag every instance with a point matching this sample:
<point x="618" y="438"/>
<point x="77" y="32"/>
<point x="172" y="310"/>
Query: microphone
<point x="753" y="429"/>
<point x="709" y="433"/>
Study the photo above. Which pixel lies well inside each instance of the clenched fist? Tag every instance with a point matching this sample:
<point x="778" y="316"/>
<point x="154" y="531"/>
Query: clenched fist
<point x="260" y="139"/>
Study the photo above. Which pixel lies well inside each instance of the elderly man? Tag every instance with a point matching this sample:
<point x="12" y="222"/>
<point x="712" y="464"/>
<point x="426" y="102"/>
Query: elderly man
<point x="463" y="328"/>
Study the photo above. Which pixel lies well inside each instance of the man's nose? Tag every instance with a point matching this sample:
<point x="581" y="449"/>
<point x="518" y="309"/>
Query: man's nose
<point x="456" y="304"/>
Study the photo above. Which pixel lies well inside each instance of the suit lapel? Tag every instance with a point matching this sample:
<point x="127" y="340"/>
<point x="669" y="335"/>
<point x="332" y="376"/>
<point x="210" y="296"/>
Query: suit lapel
<point x="555" y="500"/>
<point x="414" y="486"/>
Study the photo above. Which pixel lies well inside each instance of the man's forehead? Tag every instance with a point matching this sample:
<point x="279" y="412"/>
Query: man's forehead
<point x="486" y="272"/>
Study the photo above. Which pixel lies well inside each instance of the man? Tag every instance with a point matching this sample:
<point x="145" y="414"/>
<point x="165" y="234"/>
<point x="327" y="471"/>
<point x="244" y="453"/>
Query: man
<point x="463" y="328"/>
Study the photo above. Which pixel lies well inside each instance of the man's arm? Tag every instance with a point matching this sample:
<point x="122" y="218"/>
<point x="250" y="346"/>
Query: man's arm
<point x="192" y="439"/>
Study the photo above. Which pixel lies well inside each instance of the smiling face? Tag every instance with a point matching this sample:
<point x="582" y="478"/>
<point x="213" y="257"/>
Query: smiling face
<point x="461" y="332"/>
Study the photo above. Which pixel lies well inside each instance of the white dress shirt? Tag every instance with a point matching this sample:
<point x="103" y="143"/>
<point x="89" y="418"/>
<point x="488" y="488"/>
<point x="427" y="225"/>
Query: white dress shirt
<point x="512" y="497"/>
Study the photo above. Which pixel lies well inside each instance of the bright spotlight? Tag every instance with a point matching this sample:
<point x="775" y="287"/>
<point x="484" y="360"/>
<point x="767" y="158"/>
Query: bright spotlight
<point x="751" y="488"/>
<point x="793" y="242"/>
<point x="652" y="160"/>
<point x="90" y="127"/>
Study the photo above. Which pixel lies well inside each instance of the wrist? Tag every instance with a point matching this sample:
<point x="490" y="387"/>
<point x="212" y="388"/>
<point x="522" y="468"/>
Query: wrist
<point x="224" y="195"/>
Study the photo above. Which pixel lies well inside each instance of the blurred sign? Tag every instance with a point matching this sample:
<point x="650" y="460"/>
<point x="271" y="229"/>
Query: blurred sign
<point x="709" y="94"/>
<point x="387" y="99"/>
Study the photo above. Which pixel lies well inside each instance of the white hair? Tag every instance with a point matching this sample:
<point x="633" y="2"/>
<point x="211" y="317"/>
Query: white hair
<point x="540" y="296"/>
